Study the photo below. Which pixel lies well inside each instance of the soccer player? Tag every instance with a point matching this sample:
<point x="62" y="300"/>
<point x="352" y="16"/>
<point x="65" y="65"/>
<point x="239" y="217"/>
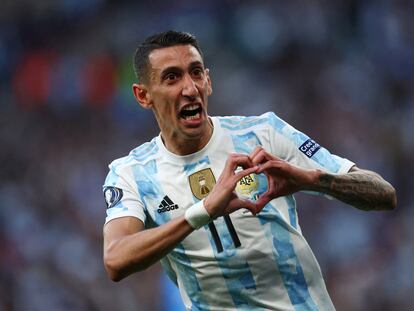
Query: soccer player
<point x="212" y="197"/>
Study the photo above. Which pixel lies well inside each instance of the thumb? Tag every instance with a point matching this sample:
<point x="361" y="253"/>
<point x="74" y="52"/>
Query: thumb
<point x="238" y="203"/>
<point x="262" y="201"/>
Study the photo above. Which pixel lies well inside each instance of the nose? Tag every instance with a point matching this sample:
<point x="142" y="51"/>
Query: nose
<point x="189" y="87"/>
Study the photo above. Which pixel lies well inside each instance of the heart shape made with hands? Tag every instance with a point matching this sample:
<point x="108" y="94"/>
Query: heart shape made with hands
<point x="282" y="177"/>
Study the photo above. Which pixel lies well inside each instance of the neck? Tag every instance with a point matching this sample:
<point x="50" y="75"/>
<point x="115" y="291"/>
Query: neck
<point x="185" y="146"/>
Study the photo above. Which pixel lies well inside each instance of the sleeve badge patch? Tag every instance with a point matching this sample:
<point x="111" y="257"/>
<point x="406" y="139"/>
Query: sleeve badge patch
<point x="112" y="196"/>
<point x="309" y="148"/>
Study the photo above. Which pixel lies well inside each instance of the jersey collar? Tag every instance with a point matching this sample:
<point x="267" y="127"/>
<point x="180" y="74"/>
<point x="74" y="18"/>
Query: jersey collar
<point x="208" y="148"/>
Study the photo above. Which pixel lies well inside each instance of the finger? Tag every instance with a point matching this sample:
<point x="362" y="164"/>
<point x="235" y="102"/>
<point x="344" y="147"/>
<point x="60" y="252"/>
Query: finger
<point x="245" y="162"/>
<point x="235" y="160"/>
<point x="268" y="195"/>
<point x="231" y="163"/>
<point x="261" y="157"/>
<point x="258" y="156"/>
<point x="273" y="164"/>
<point x="262" y="201"/>
<point x="264" y="198"/>
<point x="238" y="203"/>
<point x="255" y="151"/>
<point x="239" y="175"/>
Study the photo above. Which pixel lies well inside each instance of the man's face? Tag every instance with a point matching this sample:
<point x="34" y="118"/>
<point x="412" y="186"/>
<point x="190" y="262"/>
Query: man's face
<point x="178" y="91"/>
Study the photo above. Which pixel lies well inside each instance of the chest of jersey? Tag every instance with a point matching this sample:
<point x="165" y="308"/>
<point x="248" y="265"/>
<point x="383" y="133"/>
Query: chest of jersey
<point x="179" y="186"/>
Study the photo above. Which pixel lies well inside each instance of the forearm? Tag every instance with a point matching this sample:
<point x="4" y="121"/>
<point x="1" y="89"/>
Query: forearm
<point x="362" y="189"/>
<point x="138" y="251"/>
<point x="129" y="248"/>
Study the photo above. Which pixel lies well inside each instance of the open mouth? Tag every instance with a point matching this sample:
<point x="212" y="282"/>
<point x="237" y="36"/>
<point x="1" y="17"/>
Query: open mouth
<point x="191" y="112"/>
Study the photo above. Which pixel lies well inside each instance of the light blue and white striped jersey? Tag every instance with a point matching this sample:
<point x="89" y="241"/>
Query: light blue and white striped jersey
<point x="244" y="262"/>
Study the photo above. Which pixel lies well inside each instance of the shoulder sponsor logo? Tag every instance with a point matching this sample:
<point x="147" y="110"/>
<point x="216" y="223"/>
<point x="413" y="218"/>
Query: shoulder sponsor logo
<point x="309" y="148"/>
<point x="166" y="205"/>
<point x="112" y="196"/>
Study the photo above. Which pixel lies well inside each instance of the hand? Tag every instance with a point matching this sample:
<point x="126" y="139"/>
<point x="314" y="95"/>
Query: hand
<point x="222" y="200"/>
<point x="283" y="178"/>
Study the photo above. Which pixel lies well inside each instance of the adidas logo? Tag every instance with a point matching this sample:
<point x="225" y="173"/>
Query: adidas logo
<point x="166" y="205"/>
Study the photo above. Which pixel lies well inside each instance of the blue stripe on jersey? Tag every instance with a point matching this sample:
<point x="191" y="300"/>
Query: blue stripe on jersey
<point x="149" y="189"/>
<point x="245" y="143"/>
<point x="151" y="193"/>
<point x="144" y="151"/>
<point x="286" y="259"/>
<point x="277" y="123"/>
<point x="189" y="278"/>
<point x="290" y="270"/>
<point x="235" y="269"/>
<point x="121" y="162"/>
<point x="236" y="120"/>
<point x="192" y="166"/>
<point x="323" y="157"/>
<point x="241" y="124"/>
<point x="169" y="271"/>
<point x="141" y="148"/>
<point x="293" y="215"/>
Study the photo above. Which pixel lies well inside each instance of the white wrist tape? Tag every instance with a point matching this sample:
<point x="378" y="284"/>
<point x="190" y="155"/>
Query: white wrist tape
<point x="197" y="215"/>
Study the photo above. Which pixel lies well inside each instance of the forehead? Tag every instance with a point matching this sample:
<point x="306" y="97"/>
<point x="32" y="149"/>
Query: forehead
<point x="174" y="56"/>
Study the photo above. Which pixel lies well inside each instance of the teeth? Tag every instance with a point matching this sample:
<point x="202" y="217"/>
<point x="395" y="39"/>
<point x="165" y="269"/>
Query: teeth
<point x="196" y="116"/>
<point x="191" y="107"/>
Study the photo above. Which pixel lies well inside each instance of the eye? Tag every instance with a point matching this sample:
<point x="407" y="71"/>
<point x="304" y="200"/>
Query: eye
<point x="197" y="72"/>
<point x="170" y="77"/>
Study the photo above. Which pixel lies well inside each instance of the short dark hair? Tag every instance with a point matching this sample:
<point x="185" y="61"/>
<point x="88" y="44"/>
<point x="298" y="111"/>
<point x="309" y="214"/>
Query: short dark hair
<point x="158" y="41"/>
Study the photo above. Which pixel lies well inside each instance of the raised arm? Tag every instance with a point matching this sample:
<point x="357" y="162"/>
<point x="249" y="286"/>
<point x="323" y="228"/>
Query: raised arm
<point x="129" y="248"/>
<point x="362" y="189"/>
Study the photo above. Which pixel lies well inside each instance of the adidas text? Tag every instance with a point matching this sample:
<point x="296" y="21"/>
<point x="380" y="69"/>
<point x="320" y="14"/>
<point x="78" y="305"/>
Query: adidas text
<point x="168" y="208"/>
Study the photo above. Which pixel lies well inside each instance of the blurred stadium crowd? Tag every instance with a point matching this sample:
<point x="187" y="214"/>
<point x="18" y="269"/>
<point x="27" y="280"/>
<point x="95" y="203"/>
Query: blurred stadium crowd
<point x="340" y="71"/>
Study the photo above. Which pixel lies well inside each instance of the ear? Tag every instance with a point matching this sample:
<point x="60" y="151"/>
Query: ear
<point x="209" y="87"/>
<point x="141" y="95"/>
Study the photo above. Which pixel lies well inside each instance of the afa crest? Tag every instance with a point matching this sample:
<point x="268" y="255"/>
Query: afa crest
<point x="201" y="183"/>
<point x="247" y="187"/>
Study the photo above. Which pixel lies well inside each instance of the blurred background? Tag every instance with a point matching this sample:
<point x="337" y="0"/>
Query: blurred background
<point x="340" y="71"/>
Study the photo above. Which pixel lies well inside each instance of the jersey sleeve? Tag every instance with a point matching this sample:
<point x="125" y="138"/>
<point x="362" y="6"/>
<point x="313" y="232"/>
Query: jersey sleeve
<point x="121" y="196"/>
<point x="293" y="146"/>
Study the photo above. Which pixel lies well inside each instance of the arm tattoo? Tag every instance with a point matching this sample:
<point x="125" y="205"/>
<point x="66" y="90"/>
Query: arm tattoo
<point x="362" y="189"/>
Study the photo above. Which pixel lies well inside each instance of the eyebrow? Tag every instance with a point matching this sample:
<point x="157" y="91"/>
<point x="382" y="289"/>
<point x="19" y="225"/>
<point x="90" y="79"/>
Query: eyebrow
<point x="196" y="63"/>
<point x="178" y="69"/>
